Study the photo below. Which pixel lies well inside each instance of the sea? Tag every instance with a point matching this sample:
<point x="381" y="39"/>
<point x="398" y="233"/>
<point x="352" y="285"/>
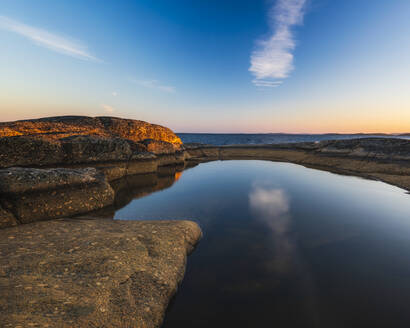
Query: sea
<point x="270" y="138"/>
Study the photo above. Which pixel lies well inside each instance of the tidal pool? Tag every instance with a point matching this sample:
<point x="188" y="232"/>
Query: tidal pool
<point x="284" y="246"/>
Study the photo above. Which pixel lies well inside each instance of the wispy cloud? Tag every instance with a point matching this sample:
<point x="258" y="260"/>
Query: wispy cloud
<point x="49" y="40"/>
<point x="154" y="84"/>
<point x="273" y="58"/>
<point x="108" y="108"/>
<point x="114" y="93"/>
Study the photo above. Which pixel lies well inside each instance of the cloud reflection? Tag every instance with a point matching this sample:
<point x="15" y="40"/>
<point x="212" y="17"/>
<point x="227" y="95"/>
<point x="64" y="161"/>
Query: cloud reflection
<point x="271" y="206"/>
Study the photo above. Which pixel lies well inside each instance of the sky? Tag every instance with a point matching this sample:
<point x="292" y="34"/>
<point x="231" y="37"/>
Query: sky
<point x="233" y="66"/>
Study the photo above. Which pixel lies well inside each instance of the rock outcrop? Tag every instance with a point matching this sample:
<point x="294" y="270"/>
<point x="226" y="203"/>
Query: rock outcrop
<point x="29" y="151"/>
<point x="72" y="140"/>
<point x="59" y="127"/>
<point x="391" y="149"/>
<point x="36" y="194"/>
<point x="92" y="273"/>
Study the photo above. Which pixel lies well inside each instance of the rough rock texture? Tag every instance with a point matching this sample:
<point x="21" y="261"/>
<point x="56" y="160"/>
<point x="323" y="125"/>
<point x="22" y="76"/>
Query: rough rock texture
<point x="16" y="180"/>
<point x="92" y="273"/>
<point x="373" y="148"/>
<point x="37" y="194"/>
<point x="159" y="147"/>
<point x="65" y="126"/>
<point x="90" y="149"/>
<point x="72" y="140"/>
<point x="7" y="219"/>
<point x="26" y="151"/>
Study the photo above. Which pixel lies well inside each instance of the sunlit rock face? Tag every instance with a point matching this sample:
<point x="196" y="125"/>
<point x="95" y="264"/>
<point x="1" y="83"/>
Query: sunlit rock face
<point x="160" y="147"/>
<point x="81" y="139"/>
<point x="65" y="126"/>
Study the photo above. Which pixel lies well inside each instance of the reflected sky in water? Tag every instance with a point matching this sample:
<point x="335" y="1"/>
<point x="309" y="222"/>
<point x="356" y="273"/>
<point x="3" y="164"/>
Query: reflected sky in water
<point x="287" y="246"/>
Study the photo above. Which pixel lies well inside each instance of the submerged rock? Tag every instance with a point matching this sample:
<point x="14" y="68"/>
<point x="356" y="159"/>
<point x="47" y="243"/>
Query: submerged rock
<point x="92" y="273"/>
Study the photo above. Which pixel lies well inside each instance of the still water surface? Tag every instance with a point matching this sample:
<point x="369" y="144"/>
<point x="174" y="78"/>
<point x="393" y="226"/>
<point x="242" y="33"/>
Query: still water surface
<point x="286" y="246"/>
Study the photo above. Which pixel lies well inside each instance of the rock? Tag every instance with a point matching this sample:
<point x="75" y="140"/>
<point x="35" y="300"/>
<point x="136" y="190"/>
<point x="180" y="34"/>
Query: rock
<point x="27" y="150"/>
<point x="37" y="194"/>
<point x="59" y="127"/>
<point x="7" y="219"/>
<point x="377" y="148"/>
<point x="159" y="147"/>
<point x="139" y="130"/>
<point x="17" y="180"/>
<point x="89" y="149"/>
<point x="80" y="140"/>
<point x="92" y="273"/>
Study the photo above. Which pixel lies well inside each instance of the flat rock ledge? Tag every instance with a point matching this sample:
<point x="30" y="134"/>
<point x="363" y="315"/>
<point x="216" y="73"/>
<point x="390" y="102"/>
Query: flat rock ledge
<point x="28" y="194"/>
<point x="92" y="273"/>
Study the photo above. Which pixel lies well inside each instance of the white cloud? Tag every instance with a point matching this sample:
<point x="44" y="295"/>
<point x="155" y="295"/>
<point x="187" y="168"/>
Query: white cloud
<point x="46" y="39"/>
<point x="273" y="57"/>
<point x="154" y="84"/>
<point x="114" y="94"/>
<point x="108" y="108"/>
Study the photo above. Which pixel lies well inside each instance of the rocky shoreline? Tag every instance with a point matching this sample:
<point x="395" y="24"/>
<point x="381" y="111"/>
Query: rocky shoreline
<point x="55" y="168"/>
<point x="30" y="194"/>
<point x="384" y="159"/>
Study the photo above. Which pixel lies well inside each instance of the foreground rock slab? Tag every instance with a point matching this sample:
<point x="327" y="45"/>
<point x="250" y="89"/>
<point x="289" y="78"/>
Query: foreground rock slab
<point x="92" y="273"/>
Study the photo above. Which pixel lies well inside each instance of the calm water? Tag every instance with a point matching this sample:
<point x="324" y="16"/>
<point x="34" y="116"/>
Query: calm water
<point x="283" y="246"/>
<point x="268" y="138"/>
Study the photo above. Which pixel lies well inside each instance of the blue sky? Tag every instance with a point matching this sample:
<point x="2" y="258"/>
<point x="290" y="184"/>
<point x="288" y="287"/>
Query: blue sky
<point x="211" y="66"/>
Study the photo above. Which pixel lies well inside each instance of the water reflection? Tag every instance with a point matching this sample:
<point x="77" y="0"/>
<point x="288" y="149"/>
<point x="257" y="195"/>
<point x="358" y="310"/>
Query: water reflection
<point x="133" y="187"/>
<point x="271" y="207"/>
<point x="283" y="245"/>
